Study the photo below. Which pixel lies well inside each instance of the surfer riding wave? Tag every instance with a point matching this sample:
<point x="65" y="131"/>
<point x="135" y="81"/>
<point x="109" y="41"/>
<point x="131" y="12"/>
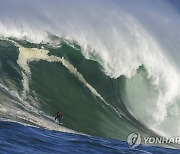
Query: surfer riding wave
<point x="58" y="116"/>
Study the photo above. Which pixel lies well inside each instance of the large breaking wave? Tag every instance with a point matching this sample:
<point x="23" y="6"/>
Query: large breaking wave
<point x="111" y="67"/>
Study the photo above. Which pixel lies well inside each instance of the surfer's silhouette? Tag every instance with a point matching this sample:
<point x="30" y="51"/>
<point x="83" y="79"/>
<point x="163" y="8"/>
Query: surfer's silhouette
<point x="58" y="116"/>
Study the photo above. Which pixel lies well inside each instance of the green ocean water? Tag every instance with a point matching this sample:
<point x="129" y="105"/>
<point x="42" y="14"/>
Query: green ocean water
<point x="55" y="88"/>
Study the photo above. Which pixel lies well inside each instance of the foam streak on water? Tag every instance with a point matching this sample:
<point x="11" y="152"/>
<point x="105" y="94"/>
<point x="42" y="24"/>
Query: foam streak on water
<point x="27" y="55"/>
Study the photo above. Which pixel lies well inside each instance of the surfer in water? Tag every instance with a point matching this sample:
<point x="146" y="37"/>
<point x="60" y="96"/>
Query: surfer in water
<point x="58" y="116"/>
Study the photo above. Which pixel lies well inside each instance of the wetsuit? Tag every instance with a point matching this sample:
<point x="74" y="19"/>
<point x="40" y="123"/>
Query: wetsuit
<point x="58" y="116"/>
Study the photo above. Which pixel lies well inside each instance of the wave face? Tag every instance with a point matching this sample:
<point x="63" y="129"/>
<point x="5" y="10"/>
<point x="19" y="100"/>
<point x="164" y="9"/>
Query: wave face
<point x="111" y="67"/>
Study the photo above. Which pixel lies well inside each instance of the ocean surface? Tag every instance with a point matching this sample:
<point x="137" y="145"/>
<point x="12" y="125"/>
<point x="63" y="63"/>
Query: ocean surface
<point x="17" y="138"/>
<point x="111" y="67"/>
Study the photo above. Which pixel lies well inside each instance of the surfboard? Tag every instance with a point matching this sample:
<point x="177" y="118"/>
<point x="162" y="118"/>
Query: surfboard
<point x="56" y="121"/>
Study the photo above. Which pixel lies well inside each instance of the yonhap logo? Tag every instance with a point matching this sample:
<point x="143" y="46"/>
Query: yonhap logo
<point x="134" y="140"/>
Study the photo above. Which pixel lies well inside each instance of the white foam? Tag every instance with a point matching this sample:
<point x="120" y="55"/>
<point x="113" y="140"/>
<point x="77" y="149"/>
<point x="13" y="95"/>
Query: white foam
<point x="28" y="115"/>
<point x="27" y="55"/>
<point x="2" y="110"/>
<point x="33" y="121"/>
